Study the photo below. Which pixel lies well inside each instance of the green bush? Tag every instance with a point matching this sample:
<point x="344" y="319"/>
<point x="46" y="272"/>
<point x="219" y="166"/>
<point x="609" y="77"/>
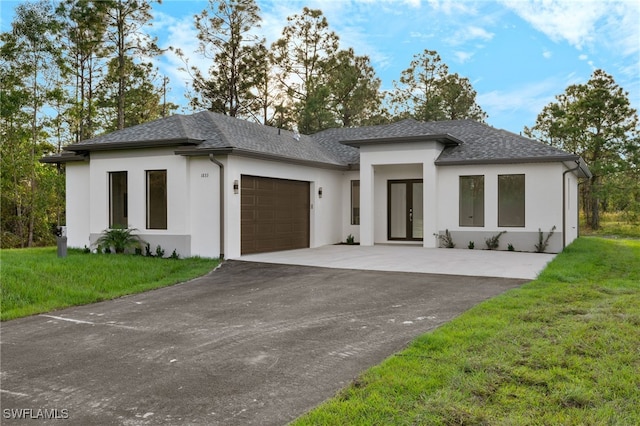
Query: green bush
<point x="118" y="239"/>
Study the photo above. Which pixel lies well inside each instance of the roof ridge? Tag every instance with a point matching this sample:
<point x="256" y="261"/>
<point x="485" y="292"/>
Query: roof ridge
<point x="210" y="116"/>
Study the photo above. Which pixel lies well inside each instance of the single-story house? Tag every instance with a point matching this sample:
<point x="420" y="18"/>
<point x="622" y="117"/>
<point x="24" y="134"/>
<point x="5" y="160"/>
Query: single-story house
<point x="211" y="185"/>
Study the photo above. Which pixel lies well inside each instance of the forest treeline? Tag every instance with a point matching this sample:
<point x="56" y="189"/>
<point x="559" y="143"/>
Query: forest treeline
<point x="74" y="69"/>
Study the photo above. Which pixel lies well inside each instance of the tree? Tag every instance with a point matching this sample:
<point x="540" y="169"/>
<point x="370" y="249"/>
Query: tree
<point x="354" y="96"/>
<point x="302" y="57"/>
<point x="83" y="30"/>
<point x="427" y="92"/>
<point x="124" y="20"/>
<point x="225" y="36"/>
<point x="144" y="99"/>
<point x="30" y="68"/>
<point x="595" y="121"/>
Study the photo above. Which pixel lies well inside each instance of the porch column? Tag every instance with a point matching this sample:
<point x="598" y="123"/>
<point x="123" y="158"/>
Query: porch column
<point x="366" y="204"/>
<point x="430" y="203"/>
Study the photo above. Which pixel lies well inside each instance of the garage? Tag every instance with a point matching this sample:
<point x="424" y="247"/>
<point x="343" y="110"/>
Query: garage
<point x="274" y="214"/>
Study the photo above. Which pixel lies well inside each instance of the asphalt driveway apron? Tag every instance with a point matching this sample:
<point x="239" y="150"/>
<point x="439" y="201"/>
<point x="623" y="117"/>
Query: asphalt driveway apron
<point x="250" y="343"/>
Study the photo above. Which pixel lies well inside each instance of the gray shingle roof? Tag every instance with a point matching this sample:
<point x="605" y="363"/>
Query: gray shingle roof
<point x="468" y="142"/>
<point x="486" y="144"/>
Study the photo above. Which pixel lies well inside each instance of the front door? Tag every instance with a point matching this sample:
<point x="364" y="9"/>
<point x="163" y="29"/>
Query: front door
<point x="405" y="210"/>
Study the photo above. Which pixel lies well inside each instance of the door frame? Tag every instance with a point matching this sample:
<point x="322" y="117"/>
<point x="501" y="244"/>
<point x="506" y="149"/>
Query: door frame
<point x="408" y="210"/>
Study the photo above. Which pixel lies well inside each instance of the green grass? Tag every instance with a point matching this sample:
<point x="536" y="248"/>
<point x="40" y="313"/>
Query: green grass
<point x="613" y="225"/>
<point x="563" y="349"/>
<point x="36" y="280"/>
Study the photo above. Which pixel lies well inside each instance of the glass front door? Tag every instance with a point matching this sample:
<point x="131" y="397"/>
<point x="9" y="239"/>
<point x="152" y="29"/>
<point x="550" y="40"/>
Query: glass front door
<point x="405" y="210"/>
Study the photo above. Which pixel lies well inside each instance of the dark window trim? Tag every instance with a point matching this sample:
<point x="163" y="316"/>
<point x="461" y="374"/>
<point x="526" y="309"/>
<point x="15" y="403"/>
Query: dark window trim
<point x="125" y="194"/>
<point x="353" y="216"/>
<point x="524" y="212"/>
<point x="148" y="210"/>
<point x="460" y="201"/>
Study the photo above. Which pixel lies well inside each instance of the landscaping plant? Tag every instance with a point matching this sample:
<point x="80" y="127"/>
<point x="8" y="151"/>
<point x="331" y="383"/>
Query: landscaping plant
<point x="118" y="239"/>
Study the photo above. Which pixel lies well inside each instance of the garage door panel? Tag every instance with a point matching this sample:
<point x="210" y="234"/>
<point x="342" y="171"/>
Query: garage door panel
<point x="274" y="214"/>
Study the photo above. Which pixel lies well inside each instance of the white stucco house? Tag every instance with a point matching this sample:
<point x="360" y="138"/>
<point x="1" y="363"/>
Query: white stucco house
<point x="211" y="185"/>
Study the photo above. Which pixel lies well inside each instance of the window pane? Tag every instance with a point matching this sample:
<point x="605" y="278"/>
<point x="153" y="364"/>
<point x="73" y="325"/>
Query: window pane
<point x="510" y="200"/>
<point x="417" y="224"/>
<point x="118" y="209"/>
<point x="471" y="200"/>
<point x="355" y="202"/>
<point x="398" y="210"/>
<point x="156" y="199"/>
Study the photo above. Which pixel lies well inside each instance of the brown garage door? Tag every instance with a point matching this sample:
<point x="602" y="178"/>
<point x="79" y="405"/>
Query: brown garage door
<point x="274" y="214"/>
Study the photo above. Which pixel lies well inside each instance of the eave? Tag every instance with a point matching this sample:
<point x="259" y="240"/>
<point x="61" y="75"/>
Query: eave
<point x="190" y="152"/>
<point x="444" y="139"/>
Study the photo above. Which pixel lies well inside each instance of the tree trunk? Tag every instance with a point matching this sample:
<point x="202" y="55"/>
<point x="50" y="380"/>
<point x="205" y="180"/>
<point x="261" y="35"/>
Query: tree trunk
<point x="595" y="203"/>
<point x="121" y="70"/>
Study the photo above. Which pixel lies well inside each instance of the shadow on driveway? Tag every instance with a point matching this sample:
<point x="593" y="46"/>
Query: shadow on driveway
<point x="250" y="343"/>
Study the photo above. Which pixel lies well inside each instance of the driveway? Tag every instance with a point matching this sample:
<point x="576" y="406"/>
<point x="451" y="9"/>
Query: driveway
<point x="250" y="343"/>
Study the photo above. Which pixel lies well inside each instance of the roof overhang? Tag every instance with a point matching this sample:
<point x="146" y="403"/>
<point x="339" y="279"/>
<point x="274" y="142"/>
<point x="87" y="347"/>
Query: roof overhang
<point x="520" y="160"/>
<point x="63" y="157"/>
<point x="109" y="146"/>
<point x="191" y="152"/>
<point x="579" y="168"/>
<point x="445" y="139"/>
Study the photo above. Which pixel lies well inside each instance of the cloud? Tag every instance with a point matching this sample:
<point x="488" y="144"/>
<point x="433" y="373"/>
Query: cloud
<point x="547" y="54"/>
<point x="450" y="7"/>
<point x="470" y="33"/>
<point x="463" y="57"/>
<point x="530" y="98"/>
<point x="583" y="57"/>
<point x="572" y="21"/>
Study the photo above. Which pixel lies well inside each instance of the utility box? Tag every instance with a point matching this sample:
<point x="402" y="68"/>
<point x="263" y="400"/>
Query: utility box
<point x="61" y="239"/>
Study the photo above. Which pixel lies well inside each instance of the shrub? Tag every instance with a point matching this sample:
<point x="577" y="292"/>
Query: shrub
<point x="543" y="243"/>
<point x="510" y="247"/>
<point x="493" y="242"/>
<point x="445" y="239"/>
<point x="471" y="245"/>
<point x="159" y="251"/>
<point x="174" y="254"/>
<point x="119" y="239"/>
<point x="351" y="239"/>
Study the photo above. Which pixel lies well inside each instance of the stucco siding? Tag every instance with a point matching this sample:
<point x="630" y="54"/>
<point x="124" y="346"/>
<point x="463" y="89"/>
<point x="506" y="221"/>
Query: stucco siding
<point x="380" y="163"/>
<point x="543" y="205"/>
<point x="78" y="194"/>
<point x="204" y="206"/>
<point x="136" y="163"/>
<point x="326" y="213"/>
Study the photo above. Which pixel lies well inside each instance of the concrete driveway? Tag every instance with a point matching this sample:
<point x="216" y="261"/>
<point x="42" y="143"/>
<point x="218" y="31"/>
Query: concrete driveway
<point x="250" y="343"/>
<point x="411" y="258"/>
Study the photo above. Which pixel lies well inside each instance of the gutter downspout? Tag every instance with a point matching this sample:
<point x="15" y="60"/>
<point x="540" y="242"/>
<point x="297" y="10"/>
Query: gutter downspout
<point x="219" y="164"/>
<point x="564" y="204"/>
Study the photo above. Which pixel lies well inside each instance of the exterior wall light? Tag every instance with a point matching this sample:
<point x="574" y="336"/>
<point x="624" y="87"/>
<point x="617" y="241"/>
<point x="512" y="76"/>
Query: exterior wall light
<point x="320" y="192"/>
<point x="236" y="187"/>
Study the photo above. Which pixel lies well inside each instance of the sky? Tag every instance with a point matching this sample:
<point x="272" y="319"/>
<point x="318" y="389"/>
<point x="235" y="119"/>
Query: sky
<point x="518" y="54"/>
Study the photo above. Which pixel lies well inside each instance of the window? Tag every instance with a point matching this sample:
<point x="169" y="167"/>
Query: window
<point x="118" y="209"/>
<point x="471" y="200"/>
<point x="355" y="202"/>
<point x="510" y="200"/>
<point x="156" y="199"/>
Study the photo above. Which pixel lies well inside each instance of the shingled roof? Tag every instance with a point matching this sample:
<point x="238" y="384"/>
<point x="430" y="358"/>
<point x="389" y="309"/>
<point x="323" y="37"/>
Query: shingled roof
<point x="465" y="141"/>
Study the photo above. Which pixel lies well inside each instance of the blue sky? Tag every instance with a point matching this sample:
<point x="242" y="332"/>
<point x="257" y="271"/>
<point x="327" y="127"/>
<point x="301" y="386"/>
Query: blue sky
<point x="517" y="54"/>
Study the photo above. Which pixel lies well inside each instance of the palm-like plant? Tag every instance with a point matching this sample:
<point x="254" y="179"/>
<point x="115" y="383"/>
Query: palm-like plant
<point x="119" y="238"/>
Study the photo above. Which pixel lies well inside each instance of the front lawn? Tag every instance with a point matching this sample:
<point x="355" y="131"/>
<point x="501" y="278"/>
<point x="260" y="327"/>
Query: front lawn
<point x="36" y="280"/>
<point x="563" y="349"/>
